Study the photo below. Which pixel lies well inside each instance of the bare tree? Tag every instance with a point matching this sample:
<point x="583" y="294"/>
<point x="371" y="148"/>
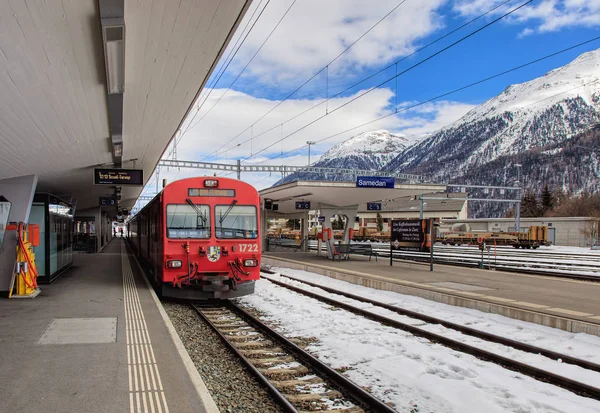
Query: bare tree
<point x="591" y="231"/>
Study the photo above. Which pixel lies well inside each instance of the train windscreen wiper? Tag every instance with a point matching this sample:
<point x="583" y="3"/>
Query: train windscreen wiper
<point x="222" y="217"/>
<point x="198" y="212"/>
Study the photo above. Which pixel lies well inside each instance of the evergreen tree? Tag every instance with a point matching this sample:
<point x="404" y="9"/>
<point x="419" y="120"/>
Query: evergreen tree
<point x="530" y="207"/>
<point x="379" y="222"/>
<point x="547" y="200"/>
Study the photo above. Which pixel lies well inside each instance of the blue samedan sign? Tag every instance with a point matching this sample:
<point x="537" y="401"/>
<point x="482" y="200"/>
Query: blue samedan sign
<point x="374" y="182"/>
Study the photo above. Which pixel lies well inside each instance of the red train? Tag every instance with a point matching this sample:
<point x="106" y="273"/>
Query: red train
<point x="199" y="239"/>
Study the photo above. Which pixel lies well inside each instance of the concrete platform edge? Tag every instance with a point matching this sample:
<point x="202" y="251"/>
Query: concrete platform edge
<point x="208" y="402"/>
<point x="411" y="288"/>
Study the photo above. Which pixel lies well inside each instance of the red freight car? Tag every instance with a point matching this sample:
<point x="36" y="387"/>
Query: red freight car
<point x="199" y="239"/>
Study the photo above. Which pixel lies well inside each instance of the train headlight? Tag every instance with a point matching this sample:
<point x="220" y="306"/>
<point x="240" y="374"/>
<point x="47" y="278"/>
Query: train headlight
<point x="250" y="263"/>
<point x="174" y="264"/>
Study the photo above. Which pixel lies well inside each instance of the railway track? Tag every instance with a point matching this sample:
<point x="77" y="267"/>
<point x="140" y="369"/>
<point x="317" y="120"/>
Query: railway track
<point x="574" y="386"/>
<point x="577" y="266"/>
<point x="295" y="379"/>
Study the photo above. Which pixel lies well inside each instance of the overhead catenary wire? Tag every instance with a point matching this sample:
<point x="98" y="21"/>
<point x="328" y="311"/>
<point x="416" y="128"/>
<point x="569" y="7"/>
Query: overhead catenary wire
<point x="226" y="65"/>
<point x="356" y="83"/>
<point x="393" y="77"/>
<point x="445" y="94"/>
<point x="226" y="62"/>
<point x="247" y="64"/>
<point x="326" y="67"/>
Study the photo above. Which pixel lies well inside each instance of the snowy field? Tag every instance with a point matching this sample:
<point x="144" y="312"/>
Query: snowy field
<point x="417" y="375"/>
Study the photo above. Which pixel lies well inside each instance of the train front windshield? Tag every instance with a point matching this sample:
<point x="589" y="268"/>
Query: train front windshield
<point x="236" y="221"/>
<point x="185" y="221"/>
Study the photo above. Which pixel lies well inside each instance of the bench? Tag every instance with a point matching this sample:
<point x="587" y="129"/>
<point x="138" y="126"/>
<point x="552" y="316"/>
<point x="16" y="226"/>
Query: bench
<point x="344" y="250"/>
<point x="363" y="249"/>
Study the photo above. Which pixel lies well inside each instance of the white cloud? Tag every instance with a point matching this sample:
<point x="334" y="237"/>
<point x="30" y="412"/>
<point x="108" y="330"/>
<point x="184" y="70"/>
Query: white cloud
<point x="526" y="32"/>
<point x="316" y="31"/>
<point x="547" y="16"/>
<point x="238" y="110"/>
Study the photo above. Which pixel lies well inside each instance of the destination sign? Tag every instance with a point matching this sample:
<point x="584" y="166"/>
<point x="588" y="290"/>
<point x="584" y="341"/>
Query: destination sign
<point x="133" y="177"/>
<point x="210" y="192"/>
<point x="374" y="182"/>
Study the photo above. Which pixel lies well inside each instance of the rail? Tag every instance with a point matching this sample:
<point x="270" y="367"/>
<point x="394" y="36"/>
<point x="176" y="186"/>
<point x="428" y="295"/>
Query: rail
<point x="574" y="386"/>
<point x="355" y="393"/>
<point x="577" y="266"/>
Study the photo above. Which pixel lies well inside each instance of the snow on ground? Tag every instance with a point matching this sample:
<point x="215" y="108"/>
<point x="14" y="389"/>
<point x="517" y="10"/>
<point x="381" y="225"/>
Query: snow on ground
<point x="567" y="370"/>
<point x="410" y="371"/>
<point x="580" y="345"/>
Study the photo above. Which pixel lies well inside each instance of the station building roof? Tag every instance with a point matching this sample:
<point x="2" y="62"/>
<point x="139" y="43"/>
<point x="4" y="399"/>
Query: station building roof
<point x="322" y="194"/>
<point x="59" y="120"/>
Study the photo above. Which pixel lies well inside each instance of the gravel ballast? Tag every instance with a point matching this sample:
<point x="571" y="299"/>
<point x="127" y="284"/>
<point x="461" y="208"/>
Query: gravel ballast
<point x="231" y="386"/>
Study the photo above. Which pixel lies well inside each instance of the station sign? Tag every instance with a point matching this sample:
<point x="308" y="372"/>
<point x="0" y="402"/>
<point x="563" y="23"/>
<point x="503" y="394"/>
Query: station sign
<point x="302" y="205"/>
<point x="104" y="176"/>
<point x="108" y="201"/>
<point x="374" y="182"/>
<point x="410" y="234"/>
<point x="321" y="219"/>
<point x="373" y="206"/>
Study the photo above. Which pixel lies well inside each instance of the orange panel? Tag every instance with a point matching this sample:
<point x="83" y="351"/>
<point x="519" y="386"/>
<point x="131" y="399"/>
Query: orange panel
<point x="34" y="234"/>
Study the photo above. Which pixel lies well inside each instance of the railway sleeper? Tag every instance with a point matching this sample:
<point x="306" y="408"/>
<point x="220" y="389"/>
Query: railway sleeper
<point x="269" y="362"/>
<point x="256" y="354"/>
<point x="255" y="345"/>
<point x="313" y="397"/>
<point x="242" y="338"/>
<point x="293" y="385"/>
<point x="291" y="372"/>
<point x="354" y="409"/>
<point x="231" y="327"/>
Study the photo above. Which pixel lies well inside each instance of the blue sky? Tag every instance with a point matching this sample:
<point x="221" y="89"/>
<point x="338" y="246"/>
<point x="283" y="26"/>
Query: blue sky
<point x="313" y="32"/>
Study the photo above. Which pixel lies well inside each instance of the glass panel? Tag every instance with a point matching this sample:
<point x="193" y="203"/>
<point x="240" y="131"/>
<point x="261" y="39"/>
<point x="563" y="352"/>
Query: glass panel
<point x="38" y="216"/>
<point x="239" y="221"/>
<point x="53" y="250"/>
<point x="185" y="221"/>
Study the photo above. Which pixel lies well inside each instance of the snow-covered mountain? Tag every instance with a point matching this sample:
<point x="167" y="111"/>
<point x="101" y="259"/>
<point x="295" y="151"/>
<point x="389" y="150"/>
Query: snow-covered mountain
<point x="546" y="111"/>
<point x="369" y="150"/>
<point x="537" y="124"/>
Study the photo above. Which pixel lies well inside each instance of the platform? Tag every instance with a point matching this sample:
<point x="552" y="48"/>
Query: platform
<point x="570" y="305"/>
<point x="94" y="341"/>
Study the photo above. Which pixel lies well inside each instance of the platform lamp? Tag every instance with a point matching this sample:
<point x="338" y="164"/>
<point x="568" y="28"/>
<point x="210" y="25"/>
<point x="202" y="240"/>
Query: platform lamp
<point x="309" y="143"/>
<point x="113" y="34"/>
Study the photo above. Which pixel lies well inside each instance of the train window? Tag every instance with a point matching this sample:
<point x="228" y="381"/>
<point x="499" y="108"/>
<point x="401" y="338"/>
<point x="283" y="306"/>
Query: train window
<point x="236" y="221"/>
<point x="184" y="221"/>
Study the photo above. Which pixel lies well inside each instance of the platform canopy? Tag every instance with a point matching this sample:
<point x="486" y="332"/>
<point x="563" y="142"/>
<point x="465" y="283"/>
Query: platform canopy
<point x="331" y="194"/>
<point x="89" y="83"/>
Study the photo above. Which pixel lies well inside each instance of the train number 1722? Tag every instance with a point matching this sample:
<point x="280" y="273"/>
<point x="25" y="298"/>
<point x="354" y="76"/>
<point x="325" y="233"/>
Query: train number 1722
<point x="248" y="247"/>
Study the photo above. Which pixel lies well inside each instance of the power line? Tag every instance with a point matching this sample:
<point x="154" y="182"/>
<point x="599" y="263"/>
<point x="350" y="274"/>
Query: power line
<point x="453" y="92"/>
<point x="309" y="79"/>
<point x="228" y="63"/>
<point x="247" y="64"/>
<point x="393" y="77"/>
<point x="228" y="59"/>
<point x="357" y="83"/>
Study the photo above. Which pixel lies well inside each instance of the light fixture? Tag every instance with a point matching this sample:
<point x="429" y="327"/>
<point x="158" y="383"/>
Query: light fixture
<point x="113" y="32"/>
<point x="117" y="150"/>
